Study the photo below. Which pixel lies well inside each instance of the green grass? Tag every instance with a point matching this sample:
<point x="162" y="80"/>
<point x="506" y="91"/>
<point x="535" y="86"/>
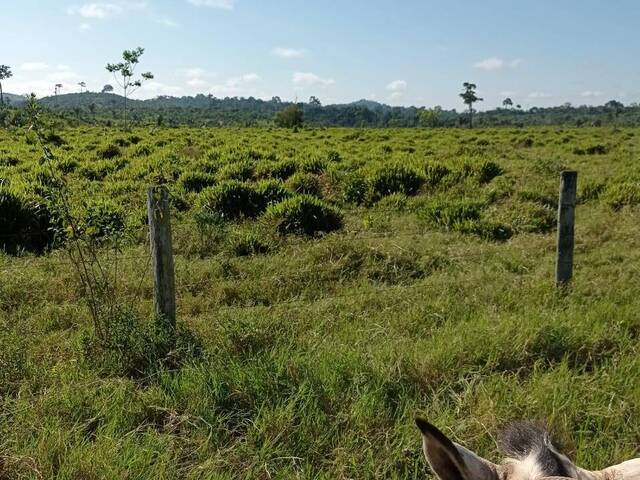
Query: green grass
<point x="314" y="353"/>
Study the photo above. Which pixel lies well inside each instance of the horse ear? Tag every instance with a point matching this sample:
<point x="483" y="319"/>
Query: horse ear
<point x="450" y="461"/>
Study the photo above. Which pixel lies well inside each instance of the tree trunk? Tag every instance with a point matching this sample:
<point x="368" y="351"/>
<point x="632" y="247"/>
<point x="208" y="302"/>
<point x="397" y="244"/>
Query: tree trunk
<point x="471" y="115"/>
<point x="125" y="108"/>
<point x="1" y="96"/>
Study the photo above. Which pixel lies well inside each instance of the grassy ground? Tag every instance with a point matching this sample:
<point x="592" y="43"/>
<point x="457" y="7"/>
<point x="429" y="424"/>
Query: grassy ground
<point x="433" y="296"/>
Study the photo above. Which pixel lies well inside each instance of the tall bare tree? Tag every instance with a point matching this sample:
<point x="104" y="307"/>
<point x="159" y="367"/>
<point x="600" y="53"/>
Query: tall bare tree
<point x="124" y="73"/>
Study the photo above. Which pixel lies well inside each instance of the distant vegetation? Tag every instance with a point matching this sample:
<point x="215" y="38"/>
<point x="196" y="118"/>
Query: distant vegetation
<point x="90" y="108"/>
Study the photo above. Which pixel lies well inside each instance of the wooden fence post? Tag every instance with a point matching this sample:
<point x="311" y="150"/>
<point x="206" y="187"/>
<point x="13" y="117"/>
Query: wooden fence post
<point x="162" y="256"/>
<point x="566" y="222"/>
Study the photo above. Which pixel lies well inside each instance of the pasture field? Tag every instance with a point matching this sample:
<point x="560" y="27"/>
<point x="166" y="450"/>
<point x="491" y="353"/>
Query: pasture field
<point x="331" y="284"/>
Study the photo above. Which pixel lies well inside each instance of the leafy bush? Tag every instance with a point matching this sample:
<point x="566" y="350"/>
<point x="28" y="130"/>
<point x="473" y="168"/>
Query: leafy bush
<point x="434" y="173"/>
<point x="102" y="219"/>
<point x="280" y="170"/>
<point x="196" y="181"/>
<point x="530" y="217"/>
<point x="230" y="199"/>
<point x="25" y="223"/>
<point x="355" y="188"/>
<point x="108" y="152"/>
<point x="390" y="179"/>
<point x="597" y="149"/>
<point x="245" y="244"/>
<point x="305" y="215"/>
<point x="268" y="192"/>
<point x="313" y="165"/>
<point x="395" y="201"/>
<point x="305" y="183"/>
<point x="241" y="171"/>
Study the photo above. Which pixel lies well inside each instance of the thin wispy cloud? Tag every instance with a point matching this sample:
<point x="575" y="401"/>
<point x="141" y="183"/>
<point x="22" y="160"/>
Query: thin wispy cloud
<point x="284" y="52"/>
<point x="166" y="21"/>
<point x="222" y="4"/>
<point x="591" y="93"/>
<point x="539" y="95"/>
<point x="34" y="66"/>
<point x="496" y="63"/>
<point x="242" y="85"/>
<point x="104" y="10"/>
<point x="397" y="86"/>
<point x="306" y="79"/>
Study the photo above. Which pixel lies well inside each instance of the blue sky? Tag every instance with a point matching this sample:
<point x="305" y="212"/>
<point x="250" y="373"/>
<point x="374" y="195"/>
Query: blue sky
<point x="402" y="52"/>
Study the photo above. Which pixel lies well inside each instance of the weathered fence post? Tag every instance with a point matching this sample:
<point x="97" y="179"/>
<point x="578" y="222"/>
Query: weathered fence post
<point x="162" y="256"/>
<point x="566" y="221"/>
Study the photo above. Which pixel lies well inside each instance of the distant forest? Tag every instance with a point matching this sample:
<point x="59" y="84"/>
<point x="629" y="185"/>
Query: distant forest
<point x="206" y="111"/>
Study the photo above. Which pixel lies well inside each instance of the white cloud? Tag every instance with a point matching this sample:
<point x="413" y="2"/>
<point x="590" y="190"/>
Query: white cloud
<point x="95" y="10"/>
<point x="103" y="10"/>
<point x="193" y="72"/>
<point x="34" y="66"/>
<point x="495" y="63"/>
<point x="241" y="86"/>
<point x="84" y="27"/>
<point x="591" y="94"/>
<point x="251" y="77"/>
<point x="397" y="86"/>
<point x="157" y="88"/>
<point x="538" y="95"/>
<point x="166" y="21"/>
<point x="397" y="95"/>
<point x="62" y="75"/>
<point x="288" y="52"/>
<point x="223" y="4"/>
<point x="306" y="79"/>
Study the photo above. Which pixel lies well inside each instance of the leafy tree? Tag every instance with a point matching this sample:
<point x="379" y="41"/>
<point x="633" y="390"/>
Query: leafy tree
<point x="82" y="85"/>
<point x="58" y="88"/>
<point x="315" y="101"/>
<point x="615" y="107"/>
<point x="124" y="72"/>
<point x="470" y="97"/>
<point x="107" y="88"/>
<point x="5" y="73"/>
<point x="290" y="117"/>
<point x="507" y="103"/>
<point x="276" y="99"/>
<point x="430" y="117"/>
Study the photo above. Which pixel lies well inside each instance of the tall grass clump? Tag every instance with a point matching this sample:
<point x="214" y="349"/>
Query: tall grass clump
<point x="303" y="215"/>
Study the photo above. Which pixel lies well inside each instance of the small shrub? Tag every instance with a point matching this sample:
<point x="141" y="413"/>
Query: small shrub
<point x="597" y="149"/>
<point x="530" y="217"/>
<point x="434" y="173"/>
<point x="591" y="191"/>
<point x="304" y="183"/>
<point x="269" y="192"/>
<point x="101" y="219"/>
<point x="108" y="152"/>
<point x="304" y="215"/>
<point x="334" y="156"/>
<point x="245" y="244"/>
<point x="313" y="165"/>
<point x="230" y="199"/>
<point x="26" y="224"/>
<point x="196" y="181"/>
<point x="395" y="201"/>
<point x="279" y="170"/>
<point x="241" y="171"/>
<point x="67" y="165"/>
<point x="143" y="151"/>
<point x="396" y="179"/>
<point x="355" y="188"/>
<point x="623" y="194"/>
<point x="449" y="213"/>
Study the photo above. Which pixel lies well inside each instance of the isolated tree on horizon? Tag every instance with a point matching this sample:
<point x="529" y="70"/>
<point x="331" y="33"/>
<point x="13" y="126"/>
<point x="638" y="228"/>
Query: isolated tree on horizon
<point x="58" y="89"/>
<point x="107" y="88"/>
<point x="124" y="71"/>
<point x="5" y="73"/>
<point x="507" y="103"/>
<point x="615" y="106"/>
<point x="470" y="97"/>
<point x="82" y="85"/>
